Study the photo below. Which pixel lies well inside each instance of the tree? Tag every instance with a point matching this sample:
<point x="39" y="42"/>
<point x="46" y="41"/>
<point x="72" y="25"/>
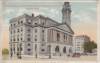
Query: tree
<point x="5" y="51"/>
<point x="89" y="46"/>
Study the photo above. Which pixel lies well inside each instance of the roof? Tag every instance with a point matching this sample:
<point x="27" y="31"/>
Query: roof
<point x="20" y="17"/>
<point x="57" y="25"/>
<point x="41" y="16"/>
<point x="62" y="26"/>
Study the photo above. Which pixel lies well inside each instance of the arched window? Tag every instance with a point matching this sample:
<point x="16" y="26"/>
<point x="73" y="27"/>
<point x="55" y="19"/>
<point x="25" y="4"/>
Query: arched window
<point x="57" y="49"/>
<point x="64" y="49"/>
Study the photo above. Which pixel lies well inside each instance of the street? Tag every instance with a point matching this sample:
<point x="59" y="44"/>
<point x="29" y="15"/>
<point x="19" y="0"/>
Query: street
<point x="38" y="60"/>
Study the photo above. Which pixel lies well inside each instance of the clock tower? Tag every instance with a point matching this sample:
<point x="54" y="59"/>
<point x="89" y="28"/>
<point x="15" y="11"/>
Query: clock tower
<point x="66" y="13"/>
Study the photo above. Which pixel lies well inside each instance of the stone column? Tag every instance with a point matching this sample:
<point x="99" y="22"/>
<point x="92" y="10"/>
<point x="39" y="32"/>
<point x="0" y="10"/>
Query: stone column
<point x="52" y="35"/>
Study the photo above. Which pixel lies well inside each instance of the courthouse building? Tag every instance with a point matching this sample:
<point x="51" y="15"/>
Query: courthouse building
<point x="40" y="36"/>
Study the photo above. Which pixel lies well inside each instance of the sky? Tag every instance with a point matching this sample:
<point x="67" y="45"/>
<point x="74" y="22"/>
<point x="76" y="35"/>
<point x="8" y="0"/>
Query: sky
<point x="83" y="17"/>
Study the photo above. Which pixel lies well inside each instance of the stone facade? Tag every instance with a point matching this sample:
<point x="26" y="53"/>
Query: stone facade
<point x="40" y="36"/>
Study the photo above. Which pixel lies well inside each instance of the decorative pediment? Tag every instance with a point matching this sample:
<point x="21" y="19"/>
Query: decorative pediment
<point x="66" y="28"/>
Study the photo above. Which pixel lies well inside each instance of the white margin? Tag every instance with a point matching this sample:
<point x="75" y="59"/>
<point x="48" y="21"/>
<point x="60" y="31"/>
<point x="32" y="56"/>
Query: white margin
<point x="98" y="32"/>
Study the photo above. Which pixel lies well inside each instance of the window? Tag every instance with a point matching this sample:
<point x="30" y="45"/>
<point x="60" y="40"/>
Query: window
<point x="17" y="30"/>
<point x="42" y="50"/>
<point x="21" y="48"/>
<point x="43" y="35"/>
<point x="64" y="36"/>
<point x="35" y="39"/>
<point x="42" y="44"/>
<point x="21" y="29"/>
<point x="64" y="49"/>
<point x="14" y="25"/>
<point x="70" y="50"/>
<point x="21" y="22"/>
<point x="14" y="39"/>
<point x="49" y="48"/>
<point x="14" y="48"/>
<point x="78" y="49"/>
<point x="28" y="30"/>
<point x="17" y="35"/>
<point x="18" y="22"/>
<point x="29" y="49"/>
<point x="11" y="32"/>
<point x="78" y="44"/>
<point x="11" y="25"/>
<point x="35" y="30"/>
<point x="35" y="23"/>
<point x="21" y="39"/>
<point x="14" y="31"/>
<point x="43" y="23"/>
<point x="43" y="39"/>
<point x="28" y="35"/>
<point x="58" y="36"/>
<point x="28" y="44"/>
<point x="42" y="30"/>
<point x="21" y="34"/>
<point x="11" y="40"/>
<point x="35" y="35"/>
<point x="17" y="48"/>
<point x="17" y="39"/>
<point x="57" y="49"/>
<point x="28" y="39"/>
